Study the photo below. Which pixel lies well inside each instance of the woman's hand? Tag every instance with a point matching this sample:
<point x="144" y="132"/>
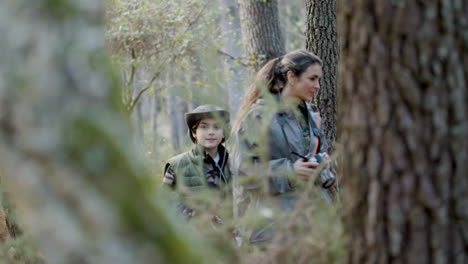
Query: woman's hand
<point x="305" y="169"/>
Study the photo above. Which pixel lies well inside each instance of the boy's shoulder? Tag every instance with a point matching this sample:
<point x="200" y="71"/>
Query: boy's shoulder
<point x="190" y="156"/>
<point x="179" y="157"/>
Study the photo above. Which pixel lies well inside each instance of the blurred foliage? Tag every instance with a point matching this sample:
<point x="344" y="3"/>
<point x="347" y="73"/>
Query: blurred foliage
<point x="311" y="233"/>
<point x="19" y="247"/>
<point x="19" y="250"/>
<point x="82" y="192"/>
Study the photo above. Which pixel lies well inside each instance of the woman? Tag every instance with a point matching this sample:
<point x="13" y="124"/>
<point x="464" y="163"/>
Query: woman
<point x="206" y="166"/>
<point x="291" y="131"/>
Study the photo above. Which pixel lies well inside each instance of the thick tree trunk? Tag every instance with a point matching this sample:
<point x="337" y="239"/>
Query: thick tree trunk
<point x="321" y="39"/>
<point x="67" y="158"/>
<point x="404" y="130"/>
<point x="231" y="40"/>
<point x="261" y="33"/>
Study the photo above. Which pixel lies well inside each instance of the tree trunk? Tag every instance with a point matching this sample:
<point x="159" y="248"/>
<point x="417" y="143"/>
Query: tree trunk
<point x="404" y="130"/>
<point x="292" y="16"/>
<point x="4" y="233"/>
<point x="175" y="135"/>
<point x="261" y="33"/>
<point x="321" y="39"/>
<point x="197" y="91"/>
<point x="67" y="158"/>
<point x="182" y="108"/>
<point x="234" y="70"/>
<point x="138" y="120"/>
<point x="177" y="108"/>
<point x="154" y="123"/>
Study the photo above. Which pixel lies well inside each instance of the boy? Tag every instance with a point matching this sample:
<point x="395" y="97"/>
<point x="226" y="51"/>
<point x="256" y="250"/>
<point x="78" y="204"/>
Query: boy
<point x="206" y="166"/>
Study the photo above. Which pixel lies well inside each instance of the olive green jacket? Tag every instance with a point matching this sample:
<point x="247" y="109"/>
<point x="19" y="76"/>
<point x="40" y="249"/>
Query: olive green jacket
<point x="187" y="174"/>
<point x="191" y="169"/>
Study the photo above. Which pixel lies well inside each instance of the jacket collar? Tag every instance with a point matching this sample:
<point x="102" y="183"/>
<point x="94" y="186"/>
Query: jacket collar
<point x="199" y="151"/>
<point x="291" y="112"/>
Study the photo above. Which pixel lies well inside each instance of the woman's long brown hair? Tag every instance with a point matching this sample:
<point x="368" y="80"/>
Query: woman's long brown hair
<point x="272" y="77"/>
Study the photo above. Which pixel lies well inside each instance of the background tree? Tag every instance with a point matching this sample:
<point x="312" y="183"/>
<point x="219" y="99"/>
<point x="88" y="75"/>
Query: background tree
<point x="321" y="39"/>
<point x="232" y="46"/>
<point x="261" y="33"/>
<point x="80" y="191"/>
<point x="292" y="17"/>
<point x="404" y="128"/>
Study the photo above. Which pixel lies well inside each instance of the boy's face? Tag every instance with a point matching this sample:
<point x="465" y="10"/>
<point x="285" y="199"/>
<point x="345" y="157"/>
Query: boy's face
<point x="209" y="133"/>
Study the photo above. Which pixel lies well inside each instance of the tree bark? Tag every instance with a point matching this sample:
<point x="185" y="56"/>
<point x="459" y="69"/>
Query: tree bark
<point x="67" y="159"/>
<point x="261" y="34"/>
<point x="4" y="232"/>
<point x="404" y="122"/>
<point x="321" y="39"/>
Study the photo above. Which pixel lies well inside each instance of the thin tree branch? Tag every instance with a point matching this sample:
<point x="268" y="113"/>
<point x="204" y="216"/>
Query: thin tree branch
<point x="191" y="23"/>
<point x="142" y="91"/>
<point x="238" y="59"/>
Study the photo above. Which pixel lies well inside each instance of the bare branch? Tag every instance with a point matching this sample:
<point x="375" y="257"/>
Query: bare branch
<point x="142" y="91"/>
<point x="238" y="59"/>
<point x="191" y="23"/>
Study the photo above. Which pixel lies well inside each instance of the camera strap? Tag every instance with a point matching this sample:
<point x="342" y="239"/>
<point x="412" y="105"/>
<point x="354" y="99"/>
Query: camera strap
<point x="315" y="130"/>
<point x="281" y="118"/>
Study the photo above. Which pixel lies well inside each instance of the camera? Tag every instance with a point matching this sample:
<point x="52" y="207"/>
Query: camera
<point x="326" y="177"/>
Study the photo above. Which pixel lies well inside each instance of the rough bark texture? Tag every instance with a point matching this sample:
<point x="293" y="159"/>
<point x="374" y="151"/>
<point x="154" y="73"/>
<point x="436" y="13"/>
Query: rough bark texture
<point x="404" y="130"/>
<point x="4" y="232"/>
<point x="321" y="39"/>
<point x="67" y="157"/>
<point x="261" y="33"/>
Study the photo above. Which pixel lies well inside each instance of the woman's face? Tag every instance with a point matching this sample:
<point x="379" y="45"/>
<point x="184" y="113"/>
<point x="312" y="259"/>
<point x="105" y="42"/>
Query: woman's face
<point x="208" y="133"/>
<point x="305" y="86"/>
